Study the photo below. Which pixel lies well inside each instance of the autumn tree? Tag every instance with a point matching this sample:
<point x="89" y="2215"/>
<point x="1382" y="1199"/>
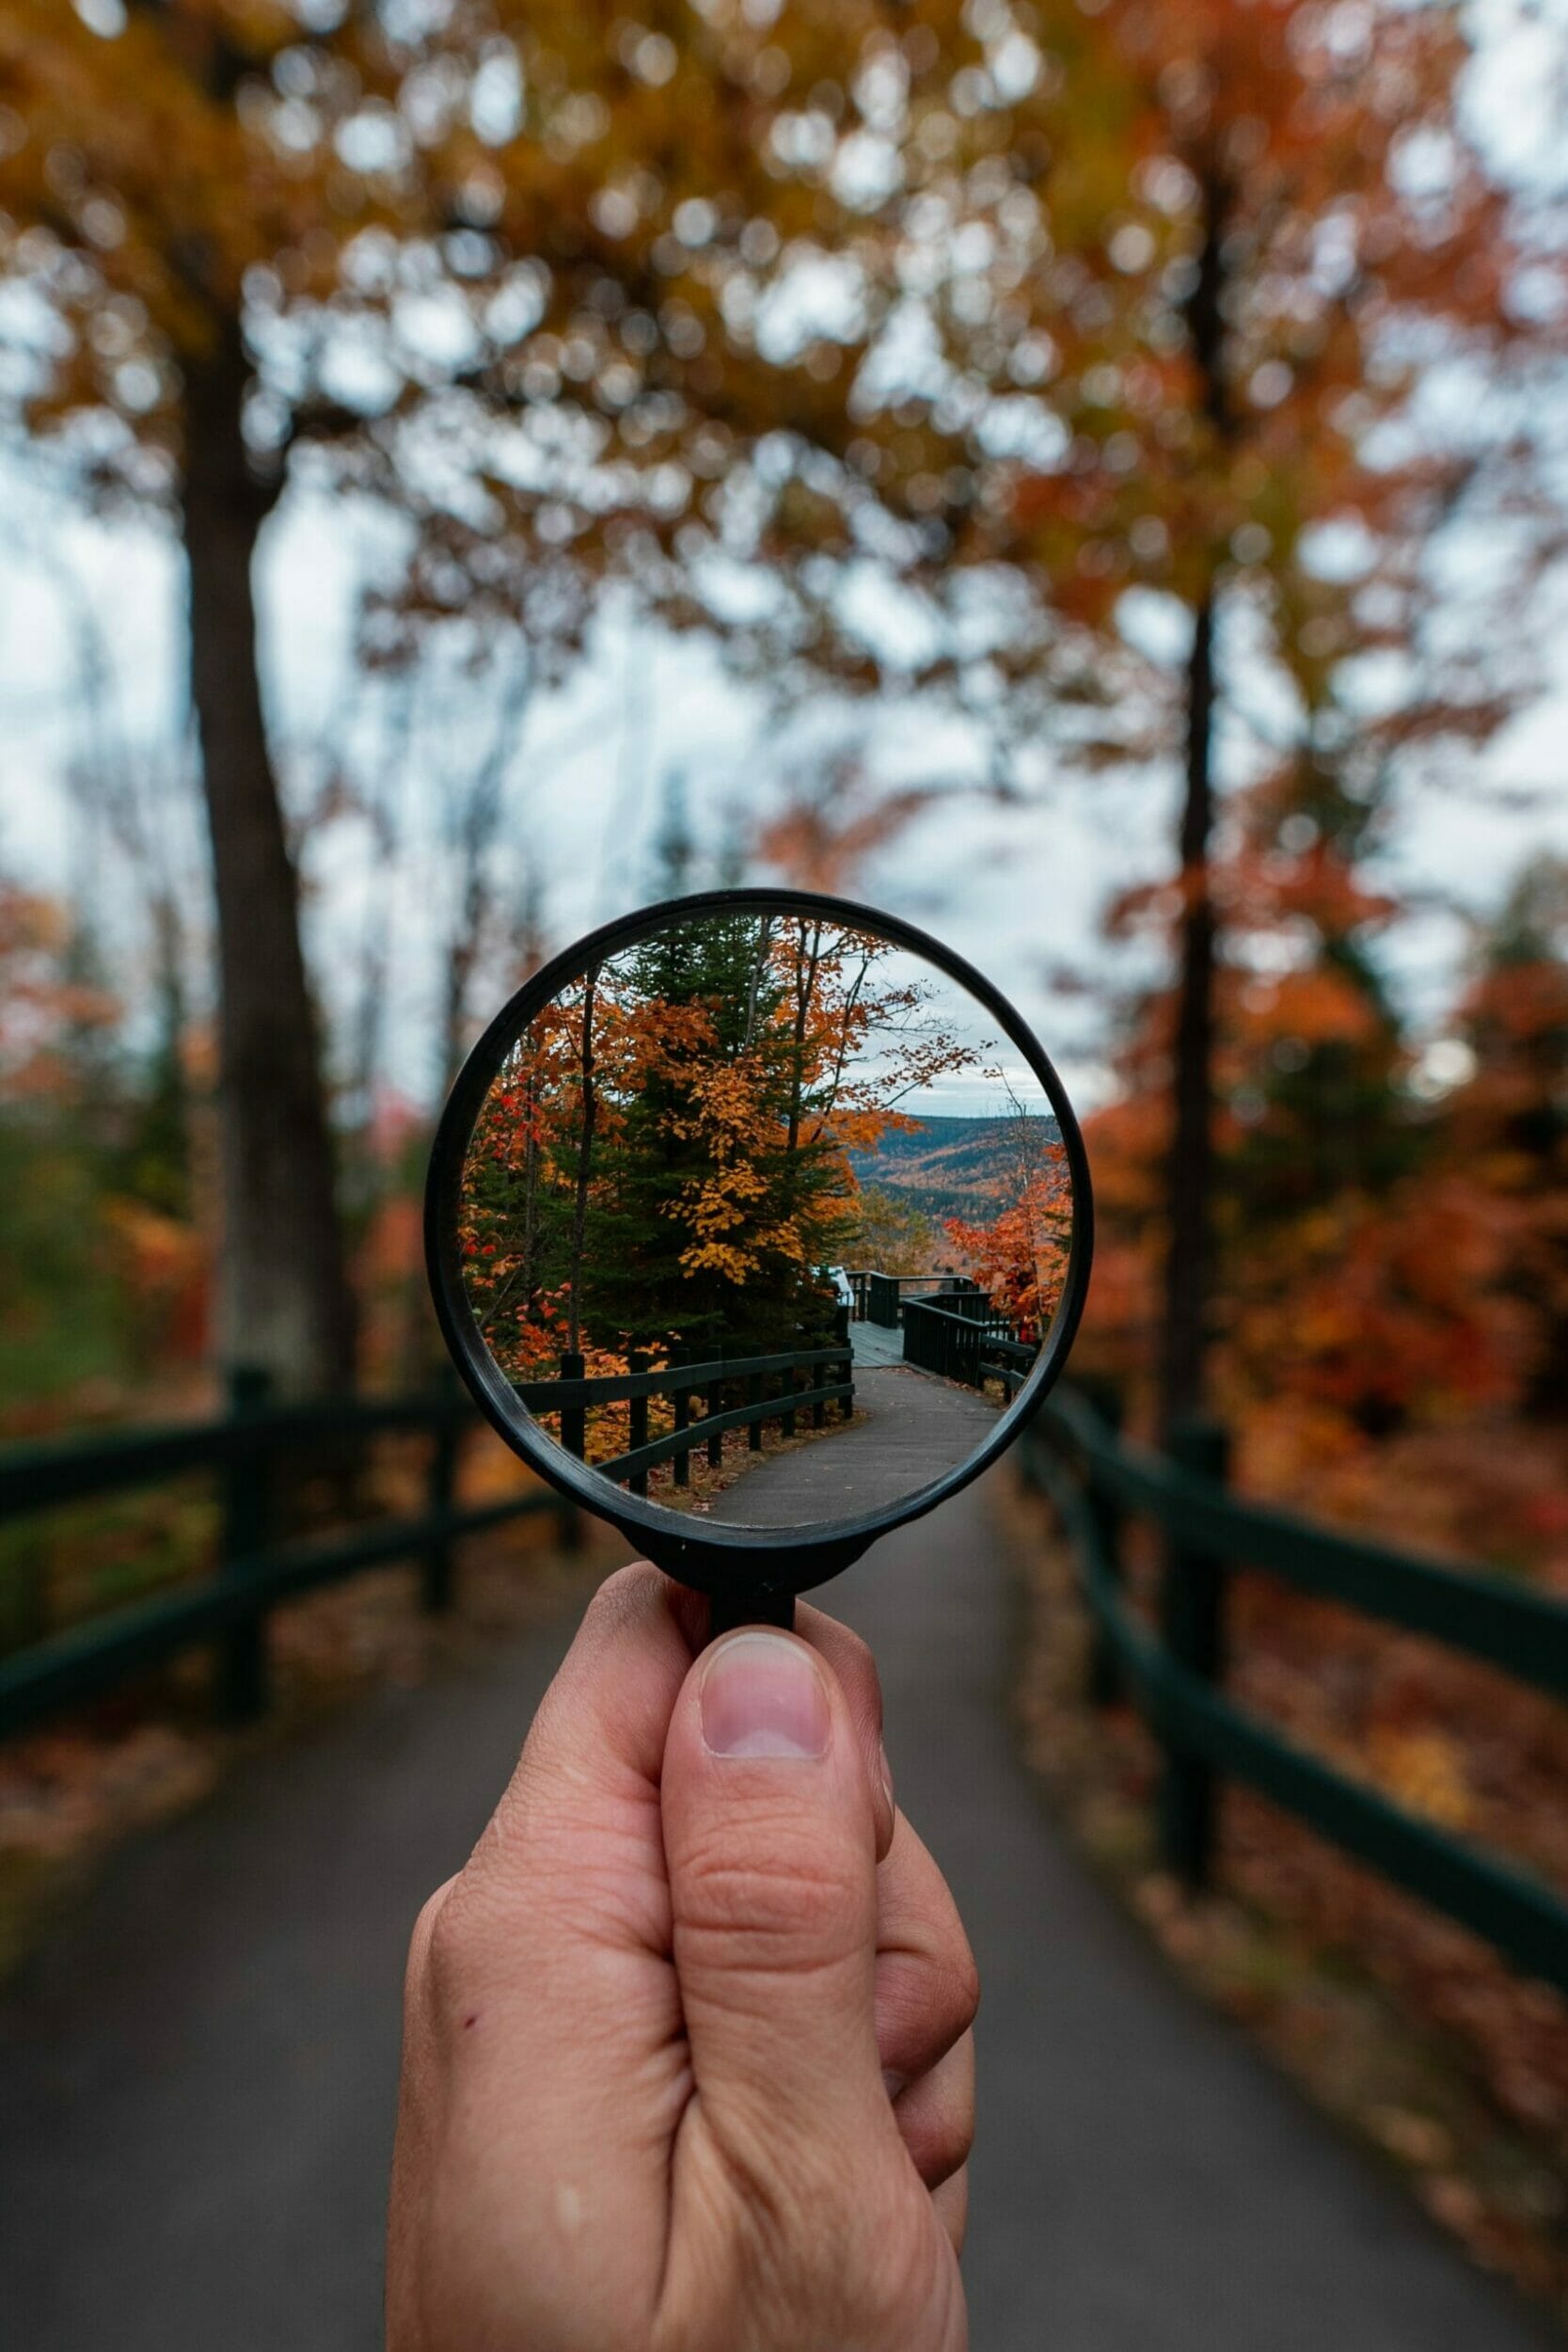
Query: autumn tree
<point x="1020" y="1255"/>
<point x="101" y="1287"/>
<point x="263" y="229"/>
<point x="892" y="1236"/>
<point x="664" y="1163"/>
<point x="1178" y="291"/>
<point x="161" y="201"/>
<point x="1367" y="1275"/>
<point x="1309" y="235"/>
<point x="1316" y="229"/>
<point x="1505" y="1125"/>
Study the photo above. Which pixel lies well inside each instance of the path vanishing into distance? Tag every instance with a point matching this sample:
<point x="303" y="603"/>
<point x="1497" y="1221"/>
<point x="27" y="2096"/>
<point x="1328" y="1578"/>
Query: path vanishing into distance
<point x="197" y="2071"/>
<point x="909" y="1427"/>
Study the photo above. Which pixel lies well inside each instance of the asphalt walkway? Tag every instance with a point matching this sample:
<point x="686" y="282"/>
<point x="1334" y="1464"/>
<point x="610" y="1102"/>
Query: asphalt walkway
<point x="198" y="2075"/>
<point x="909" y="1427"/>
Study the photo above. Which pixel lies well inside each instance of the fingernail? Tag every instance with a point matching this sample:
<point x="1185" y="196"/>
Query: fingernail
<point x="887" y="1782"/>
<point x="762" y="1695"/>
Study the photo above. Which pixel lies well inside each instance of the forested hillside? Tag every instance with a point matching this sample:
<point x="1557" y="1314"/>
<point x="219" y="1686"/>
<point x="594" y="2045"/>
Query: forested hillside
<point x="950" y="1167"/>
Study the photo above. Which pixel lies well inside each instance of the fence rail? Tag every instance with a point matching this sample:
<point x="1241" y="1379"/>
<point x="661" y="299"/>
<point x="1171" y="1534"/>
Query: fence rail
<point x="1172" y="1668"/>
<point x="253" y="1573"/>
<point x="879" y="1298"/>
<point x="571" y="1397"/>
<point x="965" y="1340"/>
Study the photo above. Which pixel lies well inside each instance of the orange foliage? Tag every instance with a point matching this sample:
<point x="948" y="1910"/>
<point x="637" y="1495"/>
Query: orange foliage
<point x="1020" y="1259"/>
<point x="1389" y="1267"/>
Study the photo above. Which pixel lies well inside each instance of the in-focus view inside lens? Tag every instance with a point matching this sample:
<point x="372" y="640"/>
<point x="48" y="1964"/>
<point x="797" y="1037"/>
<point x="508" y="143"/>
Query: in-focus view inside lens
<point x="763" y="1221"/>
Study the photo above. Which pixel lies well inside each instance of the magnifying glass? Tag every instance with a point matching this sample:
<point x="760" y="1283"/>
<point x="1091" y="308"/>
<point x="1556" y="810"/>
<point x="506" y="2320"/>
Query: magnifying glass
<point x="758" y="1222"/>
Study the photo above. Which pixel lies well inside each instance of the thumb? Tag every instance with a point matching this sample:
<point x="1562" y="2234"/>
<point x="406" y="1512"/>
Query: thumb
<point x="770" y="1837"/>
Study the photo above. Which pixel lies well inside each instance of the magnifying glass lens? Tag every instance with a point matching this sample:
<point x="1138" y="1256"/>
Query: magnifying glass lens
<point x="762" y="1219"/>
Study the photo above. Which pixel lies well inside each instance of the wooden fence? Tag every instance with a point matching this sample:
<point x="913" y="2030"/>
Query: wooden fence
<point x="252" y="1572"/>
<point x="963" y="1339"/>
<point x="769" y="1386"/>
<point x="1172" y="1667"/>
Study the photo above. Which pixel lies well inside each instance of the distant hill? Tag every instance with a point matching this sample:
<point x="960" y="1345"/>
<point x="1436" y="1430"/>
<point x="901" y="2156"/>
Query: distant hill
<point x="950" y="1166"/>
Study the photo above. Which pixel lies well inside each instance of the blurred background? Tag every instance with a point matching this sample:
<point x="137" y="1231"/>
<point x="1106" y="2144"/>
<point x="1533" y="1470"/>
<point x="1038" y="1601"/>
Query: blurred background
<point x="1088" y="476"/>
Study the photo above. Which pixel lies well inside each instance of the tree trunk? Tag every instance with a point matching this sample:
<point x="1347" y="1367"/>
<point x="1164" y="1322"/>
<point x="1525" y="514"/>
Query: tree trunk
<point x="806" y="983"/>
<point x="1189" y="1205"/>
<point x="1190" y="1171"/>
<point x="284" y="1301"/>
<point x="585" y="1163"/>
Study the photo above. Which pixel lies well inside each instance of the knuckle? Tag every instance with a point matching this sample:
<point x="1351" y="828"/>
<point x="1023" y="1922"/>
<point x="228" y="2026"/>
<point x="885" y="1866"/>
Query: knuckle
<point x="950" y="2145"/>
<point x="785" y="1902"/>
<point x="622" y="1603"/>
<point x="450" y="1954"/>
<point x="625" y="1592"/>
<point x="937" y="2132"/>
<point x="924" y="2005"/>
<point x="417" y="1975"/>
<point x="961" y="1989"/>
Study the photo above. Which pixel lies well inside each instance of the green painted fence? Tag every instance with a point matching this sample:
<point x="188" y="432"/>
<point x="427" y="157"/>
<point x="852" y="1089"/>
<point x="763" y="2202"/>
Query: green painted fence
<point x="1172" y="1666"/>
<point x="252" y="1572"/>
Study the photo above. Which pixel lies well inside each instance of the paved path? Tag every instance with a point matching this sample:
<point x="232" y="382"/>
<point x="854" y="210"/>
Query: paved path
<point x="909" y="1427"/>
<point x="196" y="2079"/>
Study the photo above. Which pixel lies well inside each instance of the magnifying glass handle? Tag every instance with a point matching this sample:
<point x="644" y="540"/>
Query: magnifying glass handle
<point x="749" y="1605"/>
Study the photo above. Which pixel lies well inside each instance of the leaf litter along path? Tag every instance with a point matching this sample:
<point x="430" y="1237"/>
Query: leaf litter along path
<point x="197" y="2071"/>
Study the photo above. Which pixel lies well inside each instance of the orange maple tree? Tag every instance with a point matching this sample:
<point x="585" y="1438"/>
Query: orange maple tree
<point x="1188" y="304"/>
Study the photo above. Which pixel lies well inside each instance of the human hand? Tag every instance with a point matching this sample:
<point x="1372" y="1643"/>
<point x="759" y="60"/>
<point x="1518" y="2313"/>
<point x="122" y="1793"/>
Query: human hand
<point x="687" y="2063"/>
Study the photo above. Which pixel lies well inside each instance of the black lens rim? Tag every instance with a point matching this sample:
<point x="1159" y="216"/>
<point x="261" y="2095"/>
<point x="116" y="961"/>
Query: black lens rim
<point x="707" y="1555"/>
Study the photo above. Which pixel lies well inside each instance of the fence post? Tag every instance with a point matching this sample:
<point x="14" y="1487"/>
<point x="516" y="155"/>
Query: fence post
<point x="753" y="1428"/>
<point x="786" y="1419"/>
<point x="680" y="1466"/>
<point x="240" y="1679"/>
<point x="435" y="1576"/>
<point x="1192" y="1606"/>
<point x="712" y="1403"/>
<point x="573" y="1418"/>
<point x="1105" y="1671"/>
<point x="637" y="1422"/>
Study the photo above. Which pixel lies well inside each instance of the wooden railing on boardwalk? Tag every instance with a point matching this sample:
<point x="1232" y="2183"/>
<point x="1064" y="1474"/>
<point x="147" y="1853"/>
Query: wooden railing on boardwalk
<point x="772" y="1390"/>
<point x="879" y="1298"/>
<point x="252" y="1572"/>
<point x="949" y="1327"/>
<point x="964" y="1339"/>
<point x="1172" y="1668"/>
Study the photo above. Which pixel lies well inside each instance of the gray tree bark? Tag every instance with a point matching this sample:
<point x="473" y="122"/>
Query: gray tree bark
<point x="284" y="1300"/>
